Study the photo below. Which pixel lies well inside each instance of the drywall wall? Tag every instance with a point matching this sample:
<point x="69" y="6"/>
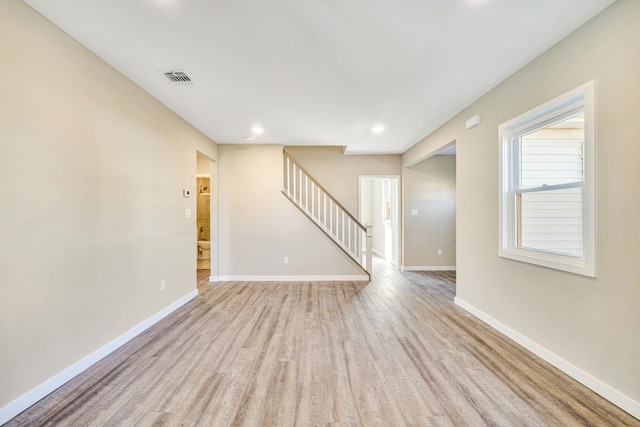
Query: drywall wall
<point x="366" y="201"/>
<point x="591" y="324"/>
<point x="339" y="173"/>
<point x="259" y="226"/>
<point x="203" y="166"/>
<point x="92" y="216"/>
<point x="430" y="190"/>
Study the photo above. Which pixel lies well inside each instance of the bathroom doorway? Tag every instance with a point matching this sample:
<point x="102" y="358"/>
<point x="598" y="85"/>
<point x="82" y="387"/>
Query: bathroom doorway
<point x="204" y="197"/>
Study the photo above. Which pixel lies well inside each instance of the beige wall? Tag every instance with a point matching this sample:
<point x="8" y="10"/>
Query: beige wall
<point x="203" y="166"/>
<point x="366" y="201"/>
<point x="592" y="324"/>
<point x="430" y="188"/>
<point x="259" y="226"/>
<point x="91" y="208"/>
<point x="339" y="173"/>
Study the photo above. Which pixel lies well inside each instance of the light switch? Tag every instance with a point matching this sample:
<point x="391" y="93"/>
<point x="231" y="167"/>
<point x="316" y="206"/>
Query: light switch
<point x="187" y="213"/>
<point x="414" y="212"/>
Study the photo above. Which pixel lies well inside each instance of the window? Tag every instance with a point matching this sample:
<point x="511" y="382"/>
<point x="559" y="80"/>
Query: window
<point x="547" y="177"/>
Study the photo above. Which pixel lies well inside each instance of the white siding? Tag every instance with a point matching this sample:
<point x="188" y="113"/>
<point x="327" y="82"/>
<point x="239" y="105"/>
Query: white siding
<point x="552" y="220"/>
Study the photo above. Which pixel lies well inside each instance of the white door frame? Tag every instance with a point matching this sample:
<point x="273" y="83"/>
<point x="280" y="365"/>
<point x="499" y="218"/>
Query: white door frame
<point x="396" y="212"/>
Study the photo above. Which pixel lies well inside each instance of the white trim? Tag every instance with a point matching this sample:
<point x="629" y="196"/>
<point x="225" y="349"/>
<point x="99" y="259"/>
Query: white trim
<point x="26" y="400"/>
<point x="614" y="396"/>
<point x="353" y="278"/>
<point x="396" y="219"/>
<point x="428" y="268"/>
<point x="379" y="176"/>
<point x="433" y="152"/>
<point x="214" y="278"/>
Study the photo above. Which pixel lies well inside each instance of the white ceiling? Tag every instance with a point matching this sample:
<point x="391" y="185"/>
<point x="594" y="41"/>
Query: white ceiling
<point x="319" y="72"/>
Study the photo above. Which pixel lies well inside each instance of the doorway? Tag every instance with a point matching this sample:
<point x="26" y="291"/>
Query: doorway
<point x="429" y="206"/>
<point x="206" y="222"/>
<point x="379" y="206"/>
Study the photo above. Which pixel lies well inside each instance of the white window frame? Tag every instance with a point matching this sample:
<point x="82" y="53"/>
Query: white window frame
<point x="579" y="99"/>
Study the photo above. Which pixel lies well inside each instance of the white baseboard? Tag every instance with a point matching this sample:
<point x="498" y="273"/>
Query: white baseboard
<point x="614" y="396"/>
<point x="23" y="402"/>
<point x="214" y="278"/>
<point x="354" y="278"/>
<point x="428" y="268"/>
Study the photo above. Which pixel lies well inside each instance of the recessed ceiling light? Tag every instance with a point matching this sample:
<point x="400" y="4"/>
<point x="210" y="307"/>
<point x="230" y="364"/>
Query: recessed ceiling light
<point x="377" y="129"/>
<point x="248" y="138"/>
<point x="257" y="130"/>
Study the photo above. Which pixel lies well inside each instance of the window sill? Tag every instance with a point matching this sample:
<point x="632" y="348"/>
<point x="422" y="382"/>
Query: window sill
<point x="566" y="263"/>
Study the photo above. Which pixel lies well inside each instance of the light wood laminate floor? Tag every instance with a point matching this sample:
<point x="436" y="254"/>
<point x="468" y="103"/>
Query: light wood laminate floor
<point x="393" y="352"/>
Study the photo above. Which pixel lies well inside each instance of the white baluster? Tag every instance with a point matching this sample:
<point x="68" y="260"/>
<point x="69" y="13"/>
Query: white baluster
<point x="330" y="217"/>
<point x="300" y="186"/>
<point x="288" y="177"/>
<point x="306" y="193"/>
<point x="342" y="221"/>
<point x="337" y="224"/>
<point x="324" y="208"/>
<point x="294" y="182"/>
<point x="369" y="265"/>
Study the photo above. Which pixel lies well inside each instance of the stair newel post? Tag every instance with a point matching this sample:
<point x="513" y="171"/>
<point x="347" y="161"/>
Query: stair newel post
<point x="369" y="249"/>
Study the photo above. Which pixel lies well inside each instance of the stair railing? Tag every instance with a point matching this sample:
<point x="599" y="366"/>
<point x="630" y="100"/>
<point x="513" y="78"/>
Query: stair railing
<point x="327" y="213"/>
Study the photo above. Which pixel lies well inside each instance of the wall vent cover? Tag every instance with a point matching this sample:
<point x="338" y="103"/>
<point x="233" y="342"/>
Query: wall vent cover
<point x="177" y="77"/>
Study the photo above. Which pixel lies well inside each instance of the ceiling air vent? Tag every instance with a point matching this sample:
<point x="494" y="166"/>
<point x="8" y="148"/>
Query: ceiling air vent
<point x="177" y="77"/>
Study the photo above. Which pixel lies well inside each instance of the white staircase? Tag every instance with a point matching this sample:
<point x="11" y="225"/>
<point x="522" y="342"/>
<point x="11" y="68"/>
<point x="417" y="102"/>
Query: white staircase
<point x="327" y="213"/>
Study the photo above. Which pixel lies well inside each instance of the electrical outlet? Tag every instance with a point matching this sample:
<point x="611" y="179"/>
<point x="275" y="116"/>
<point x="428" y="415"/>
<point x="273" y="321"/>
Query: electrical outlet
<point x="163" y="285"/>
<point x="286" y="260"/>
<point x="439" y="251"/>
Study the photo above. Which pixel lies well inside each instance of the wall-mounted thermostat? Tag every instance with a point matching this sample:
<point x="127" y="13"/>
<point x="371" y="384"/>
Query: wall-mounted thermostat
<point x="186" y="193"/>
